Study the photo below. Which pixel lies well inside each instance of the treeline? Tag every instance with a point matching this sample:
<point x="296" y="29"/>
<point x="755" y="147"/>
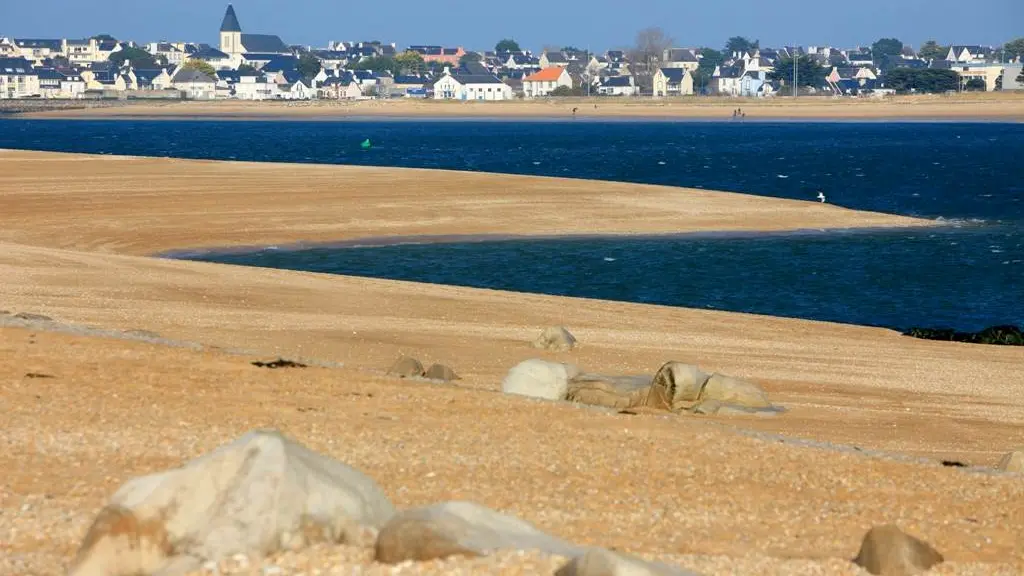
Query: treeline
<point x="925" y="80"/>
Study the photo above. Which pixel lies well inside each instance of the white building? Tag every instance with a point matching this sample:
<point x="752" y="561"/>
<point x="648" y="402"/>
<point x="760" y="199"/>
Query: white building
<point x="194" y="85"/>
<point x="541" y="84"/>
<point x="18" y="79"/>
<point x="457" y="86"/>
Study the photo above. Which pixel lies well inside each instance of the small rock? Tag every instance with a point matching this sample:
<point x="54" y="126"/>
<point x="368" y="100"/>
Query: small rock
<point x="406" y="367"/>
<point x="1013" y="462"/>
<point x="734" y="391"/>
<point x="440" y="372"/>
<point x="460" y="529"/>
<point x="555" y="338"/>
<point x="279" y="363"/>
<point x="539" y="379"/>
<point x="30" y="317"/>
<point x="601" y="562"/>
<point x="888" y="551"/>
<point x="5" y="312"/>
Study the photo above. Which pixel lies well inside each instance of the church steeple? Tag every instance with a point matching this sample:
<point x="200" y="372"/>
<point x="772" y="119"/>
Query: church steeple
<point x="230" y="23"/>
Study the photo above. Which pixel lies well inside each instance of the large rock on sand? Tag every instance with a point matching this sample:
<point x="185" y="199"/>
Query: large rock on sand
<point x="609" y="391"/>
<point x="1012" y="462"/>
<point x="678" y="386"/>
<point x="257" y="495"/>
<point x="539" y="379"/>
<point x="601" y="562"/>
<point x="440" y="372"/>
<point x="406" y="367"/>
<point x="888" y="551"/>
<point x="461" y="529"/>
<point x="555" y="338"/>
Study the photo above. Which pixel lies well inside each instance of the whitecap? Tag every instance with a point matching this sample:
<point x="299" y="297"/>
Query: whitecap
<point x="609" y="259"/>
<point x="536" y="163"/>
<point x="783" y="176"/>
<point x="661" y="162"/>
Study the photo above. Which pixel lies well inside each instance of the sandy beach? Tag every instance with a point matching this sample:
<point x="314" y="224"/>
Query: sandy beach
<point x="87" y="406"/>
<point x="991" y="106"/>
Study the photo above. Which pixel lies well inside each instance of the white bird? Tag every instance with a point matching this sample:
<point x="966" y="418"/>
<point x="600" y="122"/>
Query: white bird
<point x="821" y="197"/>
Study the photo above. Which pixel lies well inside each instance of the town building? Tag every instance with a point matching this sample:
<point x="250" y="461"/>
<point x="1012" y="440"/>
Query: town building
<point x="541" y="84"/>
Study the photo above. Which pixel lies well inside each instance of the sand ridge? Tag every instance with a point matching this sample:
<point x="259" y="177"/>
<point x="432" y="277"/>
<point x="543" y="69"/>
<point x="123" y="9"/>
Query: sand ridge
<point x="74" y="234"/>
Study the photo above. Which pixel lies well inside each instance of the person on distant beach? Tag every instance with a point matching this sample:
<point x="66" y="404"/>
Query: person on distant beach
<point x="574" y="112"/>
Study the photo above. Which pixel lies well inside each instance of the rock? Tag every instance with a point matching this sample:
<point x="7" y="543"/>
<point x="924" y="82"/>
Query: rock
<point x="440" y="372"/>
<point x="677" y="386"/>
<point x="259" y="494"/>
<point x="460" y="529"/>
<point x="609" y="391"/>
<point x="30" y="317"/>
<point x="707" y="408"/>
<point x="601" y="562"/>
<point x="734" y="391"/>
<point x="888" y="551"/>
<point x="539" y="379"/>
<point x="406" y="367"/>
<point x="1013" y="462"/>
<point x="555" y="338"/>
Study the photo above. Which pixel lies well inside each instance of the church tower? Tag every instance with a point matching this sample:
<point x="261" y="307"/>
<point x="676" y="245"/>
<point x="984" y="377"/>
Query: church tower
<point x="230" y="33"/>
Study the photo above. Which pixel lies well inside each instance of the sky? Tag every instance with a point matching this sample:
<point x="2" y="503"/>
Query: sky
<point x="478" y="24"/>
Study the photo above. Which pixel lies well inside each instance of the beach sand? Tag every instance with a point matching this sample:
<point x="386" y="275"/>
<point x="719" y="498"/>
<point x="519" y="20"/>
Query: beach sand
<point x="717" y="495"/>
<point x="1002" y="106"/>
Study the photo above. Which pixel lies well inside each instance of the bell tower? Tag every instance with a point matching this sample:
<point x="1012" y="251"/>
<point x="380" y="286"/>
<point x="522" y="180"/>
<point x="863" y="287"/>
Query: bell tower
<point x="230" y="33"/>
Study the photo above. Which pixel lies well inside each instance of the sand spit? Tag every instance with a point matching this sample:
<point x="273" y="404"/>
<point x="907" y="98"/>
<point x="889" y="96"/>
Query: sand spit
<point x="1001" y="106"/>
<point x="84" y="411"/>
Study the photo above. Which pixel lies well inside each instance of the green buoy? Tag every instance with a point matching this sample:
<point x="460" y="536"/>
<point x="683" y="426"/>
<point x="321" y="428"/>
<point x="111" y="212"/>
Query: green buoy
<point x="366" y="144"/>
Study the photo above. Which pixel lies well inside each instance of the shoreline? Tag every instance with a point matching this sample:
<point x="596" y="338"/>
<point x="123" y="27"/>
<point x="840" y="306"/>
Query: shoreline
<point x="995" y="106"/>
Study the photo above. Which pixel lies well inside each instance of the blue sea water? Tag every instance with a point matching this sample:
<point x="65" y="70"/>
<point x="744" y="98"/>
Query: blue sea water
<point x="967" y="275"/>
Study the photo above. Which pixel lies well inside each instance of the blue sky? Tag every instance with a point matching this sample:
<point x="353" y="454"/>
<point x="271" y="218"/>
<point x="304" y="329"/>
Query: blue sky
<point x="600" y="24"/>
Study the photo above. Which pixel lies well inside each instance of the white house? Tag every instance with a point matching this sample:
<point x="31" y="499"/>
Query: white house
<point x="968" y="54"/>
<point x="18" y="79"/>
<point x="457" y="86"/>
<point x="541" y="84"/>
<point x="685" y="58"/>
<point x="194" y="84"/>
<point x="252" y="87"/>
<point x="297" y="90"/>
<point x="673" y="82"/>
<point x="618" y="86"/>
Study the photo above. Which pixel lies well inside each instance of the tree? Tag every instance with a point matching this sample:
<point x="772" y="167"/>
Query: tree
<point x="928" y="80"/>
<point x="886" y="47"/>
<point x="199" y="65"/>
<point x="507" y="45"/>
<point x="247" y="69"/>
<point x="651" y="44"/>
<point x="135" y="57"/>
<point x="409" y="62"/>
<point x="741" y="44"/>
<point x="975" y="85"/>
<point x="572" y="50"/>
<point x="932" y="50"/>
<point x="809" y="72"/>
<point x="470" y="57"/>
<point x="563" y="91"/>
<point x="709" y="60"/>
<point x="309" y="66"/>
<point x="1014" y="49"/>
<point x="103" y="38"/>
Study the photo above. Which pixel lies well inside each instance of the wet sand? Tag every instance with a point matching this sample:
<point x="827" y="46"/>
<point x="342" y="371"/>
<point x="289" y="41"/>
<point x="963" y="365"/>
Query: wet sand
<point x="75" y="235"/>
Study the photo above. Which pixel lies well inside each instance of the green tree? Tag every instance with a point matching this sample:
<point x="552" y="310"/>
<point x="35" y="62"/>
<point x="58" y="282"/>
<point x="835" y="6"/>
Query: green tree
<point x="572" y="50"/>
<point x="929" y="80"/>
<point x="470" y="57"/>
<point x="136" y="57"/>
<point x="247" y="69"/>
<point x="103" y="38"/>
<point x="932" y="50"/>
<point x="377" y="64"/>
<point x="409" y="62"/>
<point x="975" y="85"/>
<point x="886" y="47"/>
<point x="809" y="72"/>
<point x="199" y="65"/>
<point x="564" y="91"/>
<point x="741" y="44"/>
<point x="507" y="45"/>
<point x="709" y="60"/>
<point x="309" y="66"/>
<point x="1014" y="49"/>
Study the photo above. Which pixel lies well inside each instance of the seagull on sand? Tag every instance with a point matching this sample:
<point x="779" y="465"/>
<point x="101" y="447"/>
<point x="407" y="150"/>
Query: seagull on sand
<point x="821" y="197"/>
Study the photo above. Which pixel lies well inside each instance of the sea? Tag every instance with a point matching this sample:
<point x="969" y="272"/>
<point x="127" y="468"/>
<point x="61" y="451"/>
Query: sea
<point x="966" y="274"/>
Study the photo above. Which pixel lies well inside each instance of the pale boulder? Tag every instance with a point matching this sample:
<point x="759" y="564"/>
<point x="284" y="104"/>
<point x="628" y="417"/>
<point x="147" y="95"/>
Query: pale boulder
<point x="556" y="339"/>
<point x="259" y="494"/>
<point x="539" y="379"/>
<point x="1013" y="462"/>
<point x="601" y="562"/>
<point x="888" y="551"/>
<point x="735" y="392"/>
<point x="609" y="391"/>
<point x="440" y="372"/>
<point x="677" y="386"/>
<point x="460" y="529"/>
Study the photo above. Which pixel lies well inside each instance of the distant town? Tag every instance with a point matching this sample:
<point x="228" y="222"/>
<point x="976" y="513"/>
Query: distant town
<point x="247" y="66"/>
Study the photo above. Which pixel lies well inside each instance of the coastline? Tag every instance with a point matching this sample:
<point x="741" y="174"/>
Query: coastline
<point x="996" y="106"/>
<point x="76" y="235"/>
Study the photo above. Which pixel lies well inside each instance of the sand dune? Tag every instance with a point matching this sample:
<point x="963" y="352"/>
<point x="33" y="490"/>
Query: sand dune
<point x="74" y="235"/>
